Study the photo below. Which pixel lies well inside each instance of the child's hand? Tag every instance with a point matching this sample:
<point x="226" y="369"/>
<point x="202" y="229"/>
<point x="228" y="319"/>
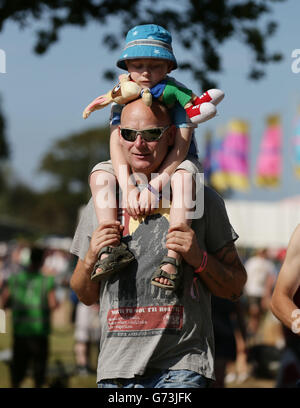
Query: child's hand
<point x="148" y="202"/>
<point x="131" y="202"/>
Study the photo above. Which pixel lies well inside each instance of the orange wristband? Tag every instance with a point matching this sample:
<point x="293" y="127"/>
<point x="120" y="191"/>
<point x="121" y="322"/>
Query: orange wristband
<point x="203" y="263"/>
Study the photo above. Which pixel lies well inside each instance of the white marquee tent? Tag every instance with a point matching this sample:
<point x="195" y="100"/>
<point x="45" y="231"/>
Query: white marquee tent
<point x="264" y="224"/>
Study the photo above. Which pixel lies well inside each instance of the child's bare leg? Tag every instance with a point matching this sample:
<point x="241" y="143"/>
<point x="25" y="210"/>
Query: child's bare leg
<point x="182" y="203"/>
<point x="103" y="187"/>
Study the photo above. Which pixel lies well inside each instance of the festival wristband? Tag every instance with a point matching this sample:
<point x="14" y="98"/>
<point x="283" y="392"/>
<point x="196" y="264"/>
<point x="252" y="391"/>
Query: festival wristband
<point x="203" y="263"/>
<point x="154" y="191"/>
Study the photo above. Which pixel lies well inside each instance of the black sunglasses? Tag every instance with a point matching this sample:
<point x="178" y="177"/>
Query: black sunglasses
<point x="149" y="135"/>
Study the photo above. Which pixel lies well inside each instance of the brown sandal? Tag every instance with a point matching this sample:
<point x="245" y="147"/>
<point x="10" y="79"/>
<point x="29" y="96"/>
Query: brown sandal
<point x="173" y="278"/>
<point x="119" y="257"/>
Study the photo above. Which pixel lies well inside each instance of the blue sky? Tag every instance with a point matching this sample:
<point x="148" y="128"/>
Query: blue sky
<point x="43" y="96"/>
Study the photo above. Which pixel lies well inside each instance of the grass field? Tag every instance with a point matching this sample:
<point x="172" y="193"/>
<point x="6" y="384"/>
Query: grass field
<point x="61" y="359"/>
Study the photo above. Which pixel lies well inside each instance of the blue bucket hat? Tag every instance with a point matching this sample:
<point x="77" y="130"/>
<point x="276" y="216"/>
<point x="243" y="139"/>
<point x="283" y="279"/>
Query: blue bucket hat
<point x="147" y="41"/>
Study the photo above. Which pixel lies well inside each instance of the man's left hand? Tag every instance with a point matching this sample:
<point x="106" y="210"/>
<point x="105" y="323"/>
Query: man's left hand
<point x="182" y="239"/>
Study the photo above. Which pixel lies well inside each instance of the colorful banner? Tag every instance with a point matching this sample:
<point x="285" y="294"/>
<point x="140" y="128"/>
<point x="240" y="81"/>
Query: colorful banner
<point x="296" y="145"/>
<point x="235" y="155"/>
<point x="269" y="163"/>
<point x="218" y="177"/>
<point x="207" y="157"/>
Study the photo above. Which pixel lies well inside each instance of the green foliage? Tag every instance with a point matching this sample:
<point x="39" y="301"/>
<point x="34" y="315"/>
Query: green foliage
<point x="71" y="159"/>
<point x="4" y="154"/>
<point x="35" y="214"/>
<point x="56" y="211"/>
<point x="201" y="26"/>
<point x="69" y="162"/>
<point x="4" y="151"/>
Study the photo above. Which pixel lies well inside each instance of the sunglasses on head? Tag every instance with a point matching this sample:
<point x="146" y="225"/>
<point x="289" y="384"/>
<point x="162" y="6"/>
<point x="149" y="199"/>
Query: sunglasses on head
<point x="148" y="135"/>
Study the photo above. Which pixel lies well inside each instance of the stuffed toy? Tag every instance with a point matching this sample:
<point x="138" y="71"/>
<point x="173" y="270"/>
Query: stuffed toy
<point x="198" y="108"/>
<point x="124" y="92"/>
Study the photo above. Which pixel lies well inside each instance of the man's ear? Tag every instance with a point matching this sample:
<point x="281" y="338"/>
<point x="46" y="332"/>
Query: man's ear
<point x="120" y="137"/>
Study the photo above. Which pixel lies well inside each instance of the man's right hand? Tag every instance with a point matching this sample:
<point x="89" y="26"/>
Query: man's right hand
<point x="108" y="233"/>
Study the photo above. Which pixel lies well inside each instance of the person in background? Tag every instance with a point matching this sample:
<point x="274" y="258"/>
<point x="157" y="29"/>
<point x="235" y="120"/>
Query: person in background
<point x="86" y="334"/>
<point x="31" y="297"/>
<point x="261" y="273"/>
<point x="285" y="305"/>
<point x="3" y="262"/>
<point x="230" y="340"/>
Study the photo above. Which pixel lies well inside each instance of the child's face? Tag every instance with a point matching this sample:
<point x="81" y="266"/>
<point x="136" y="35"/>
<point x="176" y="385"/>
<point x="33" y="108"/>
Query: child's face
<point x="148" y="72"/>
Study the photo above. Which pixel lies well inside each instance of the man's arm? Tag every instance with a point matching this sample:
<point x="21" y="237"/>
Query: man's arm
<point x="288" y="282"/>
<point x="224" y="274"/>
<point x="86" y="290"/>
<point x="108" y="233"/>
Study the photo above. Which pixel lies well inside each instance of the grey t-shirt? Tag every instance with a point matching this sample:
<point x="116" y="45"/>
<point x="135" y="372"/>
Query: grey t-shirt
<point x="143" y="326"/>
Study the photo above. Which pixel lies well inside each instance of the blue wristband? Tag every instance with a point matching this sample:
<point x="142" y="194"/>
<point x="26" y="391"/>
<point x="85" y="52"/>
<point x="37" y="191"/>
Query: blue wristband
<point x="154" y="191"/>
